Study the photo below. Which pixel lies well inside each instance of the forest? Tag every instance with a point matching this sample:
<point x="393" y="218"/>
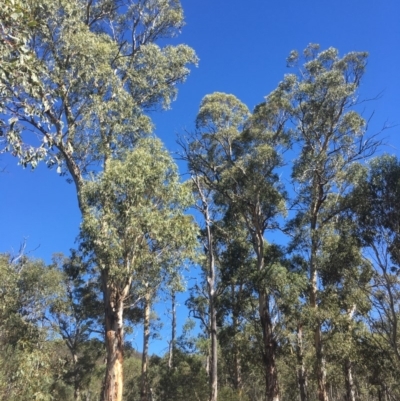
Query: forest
<point x="289" y="215"/>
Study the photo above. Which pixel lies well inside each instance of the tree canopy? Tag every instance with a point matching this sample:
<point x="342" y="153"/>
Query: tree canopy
<point x="310" y="314"/>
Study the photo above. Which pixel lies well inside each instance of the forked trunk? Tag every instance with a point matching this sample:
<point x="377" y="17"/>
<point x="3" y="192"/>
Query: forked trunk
<point x="113" y="384"/>
<point x="270" y="345"/>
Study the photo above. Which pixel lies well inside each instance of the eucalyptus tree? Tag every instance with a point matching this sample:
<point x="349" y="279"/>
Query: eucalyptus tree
<point x="27" y="368"/>
<point x="376" y="206"/>
<point x="254" y="190"/>
<point x="344" y="305"/>
<point x="16" y="21"/>
<point x="206" y="153"/>
<point x="236" y="299"/>
<point x="87" y="99"/>
<point x="135" y="221"/>
<point x="75" y="315"/>
<point x="97" y="69"/>
<point x="161" y="274"/>
<point x="237" y="156"/>
<point x="330" y="137"/>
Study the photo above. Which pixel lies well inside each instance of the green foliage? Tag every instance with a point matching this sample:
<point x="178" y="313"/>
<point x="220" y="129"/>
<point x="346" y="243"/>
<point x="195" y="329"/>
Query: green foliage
<point x="91" y="87"/>
<point x="187" y="380"/>
<point x="132" y="376"/>
<point x="26" y="356"/>
<point x="75" y="316"/>
<point x="137" y="213"/>
<point x="376" y="206"/>
<point x="76" y="93"/>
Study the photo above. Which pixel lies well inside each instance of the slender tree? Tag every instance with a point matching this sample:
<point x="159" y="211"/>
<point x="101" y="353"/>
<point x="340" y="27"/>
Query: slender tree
<point x="236" y="157"/>
<point x="330" y="137"/>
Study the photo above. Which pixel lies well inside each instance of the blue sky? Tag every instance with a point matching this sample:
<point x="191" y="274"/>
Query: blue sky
<point x="242" y="47"/>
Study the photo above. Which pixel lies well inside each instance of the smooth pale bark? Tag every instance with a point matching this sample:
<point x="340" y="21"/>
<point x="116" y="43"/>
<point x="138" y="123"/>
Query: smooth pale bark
<point x="145" y="354"/>
<point x="320" y="364"/>
<point x="213" y="314"/>
<point x="77" y="386"/>
<point x="114" y="338"/>
<point x="350" y="393"/>
<point x="301" y="370"/>
<point x="348" y="367"/>
<point x="236" y="352"/>
<point x="212" y="364"/>
<point x="214" y="351"/>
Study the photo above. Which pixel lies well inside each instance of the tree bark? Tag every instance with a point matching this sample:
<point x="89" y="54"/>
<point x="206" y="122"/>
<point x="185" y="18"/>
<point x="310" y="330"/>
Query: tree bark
<point x="350" y="394"/>
<point x="213" y="313"/>
<point x="301" y="370"/>
<point x="77" y="384"/>
<point x="212" y="296"/>
<point x="236" y="352"/>
<point x="214" y="351"/>
<point x="270" y="345"/>
<point x="145" y="354"/>
<point x="320" y="365"/>
<point x="269" y="340"/>
<point x="114" y="339"/>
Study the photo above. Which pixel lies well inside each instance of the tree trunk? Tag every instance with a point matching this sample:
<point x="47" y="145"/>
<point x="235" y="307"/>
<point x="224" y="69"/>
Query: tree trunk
<point x="77" y="393"/>
<point x="320" y="368"/>
<point x="270" y="345"/>
<point x="236" y="353"/>
<point x="211" y="282"/>
<point x="213" y="378"/>
<point x="77" y="384"/>
<point x="173" y="333"/>
<point x="350" y="394"/>
<point x="114" y="306"/>
<point x="238" y="373"/>
<point x="214" y="350"/>
<point x="146" y="337"/>
<point x="301" y="370"/>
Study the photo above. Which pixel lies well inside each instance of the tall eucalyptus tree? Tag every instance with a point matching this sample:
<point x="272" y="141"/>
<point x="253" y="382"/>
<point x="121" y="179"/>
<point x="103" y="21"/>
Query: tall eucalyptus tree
<point x="137" y="231"/>
<point x="330" y="138"/>
<point x="94" y="70"/>
<point x="207" y="153"/>
<point x="376" y="205"/>
<point x="237" y="156"/>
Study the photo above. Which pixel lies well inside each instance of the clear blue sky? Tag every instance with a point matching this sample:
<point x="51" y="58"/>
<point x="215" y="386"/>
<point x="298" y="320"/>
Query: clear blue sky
<point x="242" y="46"/>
